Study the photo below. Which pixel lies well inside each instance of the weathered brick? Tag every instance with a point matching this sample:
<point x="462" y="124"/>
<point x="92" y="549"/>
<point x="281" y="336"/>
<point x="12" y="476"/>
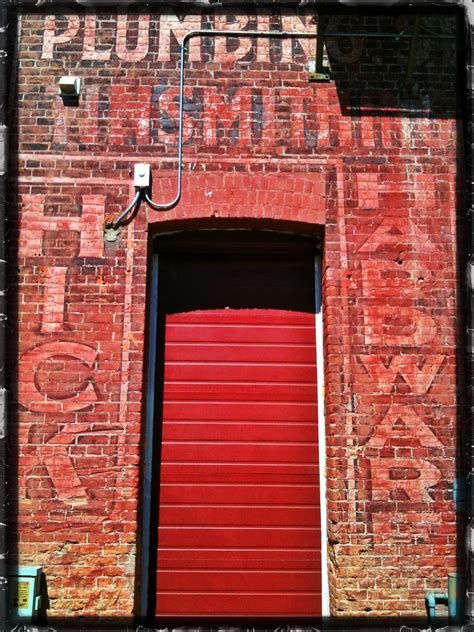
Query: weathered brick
<point x="263" y="149"/>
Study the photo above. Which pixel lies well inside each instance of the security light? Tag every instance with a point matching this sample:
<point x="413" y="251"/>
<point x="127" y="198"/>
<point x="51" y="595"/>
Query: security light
<point x="69" y="87"/>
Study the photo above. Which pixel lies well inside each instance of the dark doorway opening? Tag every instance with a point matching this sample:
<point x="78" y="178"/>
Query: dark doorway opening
<point x="234" y="496"/>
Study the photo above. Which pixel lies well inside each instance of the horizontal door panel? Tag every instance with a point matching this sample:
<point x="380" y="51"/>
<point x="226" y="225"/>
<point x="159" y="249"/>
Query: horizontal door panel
<point x="299" y="334"/>
<point x="240" y="431"/>
<point x="241" y="353"/>
<point x="240" y="581"/>
<point x="239" y="537"/>
<point x="239" y="411"/>
<point x="239" y="452"/>
<point x="242" y="391"/>
<point x="239" y="373"/>
<point x="243" y="317"/>
<point x="238" y="604"/>
<point x="240" y="559"/>
<point x="239" y="494"/>
<point x="244" y="515"/>
<point x="239" y="473"/>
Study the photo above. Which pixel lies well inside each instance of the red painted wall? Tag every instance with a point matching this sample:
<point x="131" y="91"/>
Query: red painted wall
<point x="376" y="172"/>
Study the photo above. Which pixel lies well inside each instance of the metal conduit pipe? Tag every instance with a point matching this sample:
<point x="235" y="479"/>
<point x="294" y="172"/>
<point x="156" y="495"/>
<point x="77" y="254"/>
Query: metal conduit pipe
<point x="432" y="599"/>
<point x="143" y="193"/>
<point x="454" y="599"/>
<point x="388" y="35"/>
<point x="227" y="33"/>
<point x="116" y="223"/>
<point x="208" y="33"/>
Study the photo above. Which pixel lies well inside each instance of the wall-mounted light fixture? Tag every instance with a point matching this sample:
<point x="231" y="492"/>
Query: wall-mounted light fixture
<point x="69" y="89"/>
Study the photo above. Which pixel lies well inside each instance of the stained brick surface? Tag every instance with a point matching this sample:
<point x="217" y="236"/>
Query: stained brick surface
<point x="377" y="173"/>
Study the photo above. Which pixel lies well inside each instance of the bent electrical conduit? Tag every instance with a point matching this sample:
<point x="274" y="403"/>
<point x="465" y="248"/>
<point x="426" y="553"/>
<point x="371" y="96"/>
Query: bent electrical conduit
<point x="143" y="193"/>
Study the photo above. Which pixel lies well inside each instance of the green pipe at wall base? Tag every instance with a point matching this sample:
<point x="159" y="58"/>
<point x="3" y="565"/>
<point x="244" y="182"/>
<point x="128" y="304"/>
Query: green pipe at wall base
<point x="432" y="599"/>
<point x="454" y="599"/>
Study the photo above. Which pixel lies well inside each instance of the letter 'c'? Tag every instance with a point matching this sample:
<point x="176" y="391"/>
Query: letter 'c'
<point x="32" y="398"/>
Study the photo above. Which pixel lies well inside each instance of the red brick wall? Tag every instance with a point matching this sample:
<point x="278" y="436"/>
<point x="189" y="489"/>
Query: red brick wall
<point x="263" y="148"/>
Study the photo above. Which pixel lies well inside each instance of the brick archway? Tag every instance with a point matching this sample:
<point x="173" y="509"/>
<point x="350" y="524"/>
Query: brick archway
<point x="294" y="197"/>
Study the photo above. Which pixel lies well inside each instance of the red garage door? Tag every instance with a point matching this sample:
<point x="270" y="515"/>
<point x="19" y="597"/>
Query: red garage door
<point x="239" y="501"/>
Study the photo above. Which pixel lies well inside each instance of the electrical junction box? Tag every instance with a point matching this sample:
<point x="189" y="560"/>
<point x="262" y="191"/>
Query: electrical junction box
<point x="24" y="593"/>
<point x="142" y="176"/>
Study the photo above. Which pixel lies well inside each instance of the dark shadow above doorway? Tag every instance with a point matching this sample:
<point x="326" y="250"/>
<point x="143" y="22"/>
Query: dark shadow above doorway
<point x="236" y="270"/>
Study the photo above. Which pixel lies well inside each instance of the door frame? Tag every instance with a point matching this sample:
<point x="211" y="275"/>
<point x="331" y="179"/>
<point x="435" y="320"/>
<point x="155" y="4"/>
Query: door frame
<point x="143" y="575"/>
<point x="318" y="323"/>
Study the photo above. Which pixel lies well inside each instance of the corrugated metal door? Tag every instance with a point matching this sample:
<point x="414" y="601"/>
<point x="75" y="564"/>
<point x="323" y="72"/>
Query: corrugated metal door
<point x="239" y="503"/>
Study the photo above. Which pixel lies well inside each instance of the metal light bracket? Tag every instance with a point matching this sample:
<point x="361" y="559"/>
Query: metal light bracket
<point x="407" y="88"/>
<point x="319" y="73"/>
<point x="316" y="71"/>
<point x="315" y="75"/>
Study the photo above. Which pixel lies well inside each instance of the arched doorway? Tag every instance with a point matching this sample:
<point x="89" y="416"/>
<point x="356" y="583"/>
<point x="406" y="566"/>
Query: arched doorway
<point x="233" y="476"/>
